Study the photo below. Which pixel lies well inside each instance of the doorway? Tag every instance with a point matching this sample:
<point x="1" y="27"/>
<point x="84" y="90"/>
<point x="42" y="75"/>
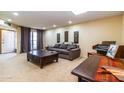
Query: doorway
<point x="8" y="41"/>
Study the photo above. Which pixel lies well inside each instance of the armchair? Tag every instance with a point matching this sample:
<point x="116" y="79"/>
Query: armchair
<point x="103" y="48"/>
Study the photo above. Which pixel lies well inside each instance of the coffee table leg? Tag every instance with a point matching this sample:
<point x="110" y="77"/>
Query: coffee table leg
<point x="57" y="58"/>
<point x="79" y="79"/>
<point x="27" y="57"/>
<point x="41" y="63"/>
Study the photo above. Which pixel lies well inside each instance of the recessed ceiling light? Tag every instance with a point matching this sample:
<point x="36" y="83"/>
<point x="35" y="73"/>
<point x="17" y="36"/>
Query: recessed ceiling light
<point x="15" y="13"/>
<point x="77" y="12"/>
<point x="9" y="20"/>
<point x="44" y="28"/>
<point x="70" y="22"/>
<point x="54" y="25"/>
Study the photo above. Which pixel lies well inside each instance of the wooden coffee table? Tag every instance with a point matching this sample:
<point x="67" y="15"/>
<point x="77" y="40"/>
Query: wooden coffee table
<point x="42" y="56"/>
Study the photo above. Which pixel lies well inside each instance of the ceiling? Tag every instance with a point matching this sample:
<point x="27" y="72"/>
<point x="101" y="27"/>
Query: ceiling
<point x="40" y="19"/>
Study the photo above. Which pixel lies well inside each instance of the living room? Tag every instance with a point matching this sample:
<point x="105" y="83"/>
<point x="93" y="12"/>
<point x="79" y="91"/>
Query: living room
<point x="61" y="46"/>
<point x="72" y="41"/>
<point x="90" y="33"/>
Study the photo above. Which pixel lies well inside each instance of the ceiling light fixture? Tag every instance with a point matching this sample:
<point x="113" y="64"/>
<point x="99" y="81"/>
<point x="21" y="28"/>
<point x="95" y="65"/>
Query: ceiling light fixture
<point x="77" y="12"/>
<point x="44" y="28"/>
<point x="70" y="22"/>
<point x="54" y="25"/>
<point x="15" y="13"/>
<point x="9" y="20"/>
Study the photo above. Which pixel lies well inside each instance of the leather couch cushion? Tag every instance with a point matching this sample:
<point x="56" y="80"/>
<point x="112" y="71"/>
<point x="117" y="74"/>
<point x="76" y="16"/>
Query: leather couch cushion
<point x="52" y="49"/>
<point x="63" y="46"/>
<point x="61" y="51"/>
<point x="71" y="47"/>
<point x="103" y="47"/>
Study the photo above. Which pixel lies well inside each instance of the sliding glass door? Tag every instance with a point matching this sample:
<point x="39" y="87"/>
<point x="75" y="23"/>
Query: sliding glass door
<point x="8" y="41"/>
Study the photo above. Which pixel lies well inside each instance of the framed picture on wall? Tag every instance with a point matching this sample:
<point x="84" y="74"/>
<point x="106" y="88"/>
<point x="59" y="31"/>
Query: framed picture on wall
<point x="58" y="37"/>
<point x="76" y="37"/>
<point x="66" y="36"/>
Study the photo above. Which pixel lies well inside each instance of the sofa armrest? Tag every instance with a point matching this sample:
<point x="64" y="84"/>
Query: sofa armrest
<point x="74" y="53"/>
<point x="75" y="49"/>
<point x="95" y="46"/>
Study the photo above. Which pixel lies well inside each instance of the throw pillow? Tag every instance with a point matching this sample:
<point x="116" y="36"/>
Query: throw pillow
<point x="56" y="45"/>
<point x="71" y="47"/>
<point x="63" y="46"/>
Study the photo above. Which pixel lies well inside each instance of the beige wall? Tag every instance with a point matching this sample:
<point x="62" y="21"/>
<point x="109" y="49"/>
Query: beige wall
<point x="18" y="30"/>
<point x="123" y="29"/>
<point x="0" y="40"/>
<point x="90" y="33"/>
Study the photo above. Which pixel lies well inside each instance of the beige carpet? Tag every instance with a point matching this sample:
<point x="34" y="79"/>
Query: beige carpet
<point x="15" y="68"/>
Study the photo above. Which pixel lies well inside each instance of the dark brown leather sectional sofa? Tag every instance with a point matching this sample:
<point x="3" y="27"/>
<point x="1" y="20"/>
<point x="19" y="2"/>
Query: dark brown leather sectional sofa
<point x="66" y="51"/>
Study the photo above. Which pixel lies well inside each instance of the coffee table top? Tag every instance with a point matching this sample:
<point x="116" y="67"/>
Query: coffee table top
<point x="87" y="69"/>
<point x="42" y="53"/>
<point x="92" y="69"/>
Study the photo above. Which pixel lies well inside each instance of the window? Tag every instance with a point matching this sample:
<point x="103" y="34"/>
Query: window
<point x="33" y="40"/>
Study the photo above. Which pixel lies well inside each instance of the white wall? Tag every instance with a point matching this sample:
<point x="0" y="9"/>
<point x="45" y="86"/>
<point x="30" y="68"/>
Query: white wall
<point x="90" y="33"/>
